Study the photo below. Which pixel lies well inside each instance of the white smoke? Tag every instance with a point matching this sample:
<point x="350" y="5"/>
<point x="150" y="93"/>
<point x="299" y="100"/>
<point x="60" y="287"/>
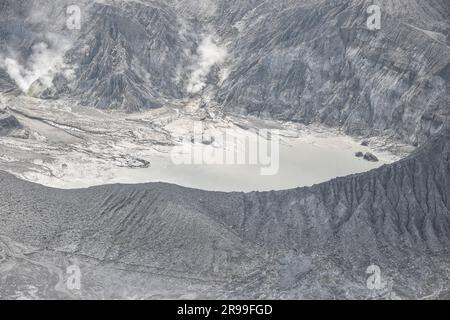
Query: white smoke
<point x="208" y="55"/>
<point x="43" y="64"/>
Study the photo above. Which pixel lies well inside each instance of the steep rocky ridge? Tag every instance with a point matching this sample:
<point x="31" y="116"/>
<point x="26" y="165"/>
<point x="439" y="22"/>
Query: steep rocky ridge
<point x="307" y="61"/>
<point x="305" y="242"/>
<point x="318" y="62"/>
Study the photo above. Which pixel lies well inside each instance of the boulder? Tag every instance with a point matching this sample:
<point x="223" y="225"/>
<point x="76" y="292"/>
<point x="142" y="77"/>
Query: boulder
<point x="370" y="157"/>
<point x="8" y="123"/>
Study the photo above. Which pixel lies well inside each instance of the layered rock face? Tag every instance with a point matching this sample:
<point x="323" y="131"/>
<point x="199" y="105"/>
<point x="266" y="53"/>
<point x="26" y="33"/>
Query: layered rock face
<point x="125" y="55"/>
<point x="318" y="62"/>
<point x="136" y="56"/>
<point x="301" y="243"/>
<point x="307" y="61"/>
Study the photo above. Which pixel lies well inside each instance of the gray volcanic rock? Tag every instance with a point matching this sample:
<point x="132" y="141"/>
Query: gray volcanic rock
<point x="8" y="123"/>
<point x="126" y="55"/>
<point x="316" y="61"/>
<point x="133" y="55"/>
<point x="312" y="242"/>
<point x="307" y="61"/>
<point x="370" y="157"/>
<point x="7" y="85"/>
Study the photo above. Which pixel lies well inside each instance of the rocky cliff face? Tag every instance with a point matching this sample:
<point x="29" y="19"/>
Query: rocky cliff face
<point x="301" y="243"/>
<point x="318" y="62"/>
<point x="307" y="61"/>
<point x="135" y="56"/>
<point x="125" y="55"/>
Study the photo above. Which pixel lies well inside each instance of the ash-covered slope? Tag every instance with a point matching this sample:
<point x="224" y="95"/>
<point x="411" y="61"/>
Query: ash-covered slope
<point x="135" y="56"/>
<point x="125" y="55"/>
<point x="317" y="61"/>
<point x="301" y="243"/>
<point x="307" y="61"/>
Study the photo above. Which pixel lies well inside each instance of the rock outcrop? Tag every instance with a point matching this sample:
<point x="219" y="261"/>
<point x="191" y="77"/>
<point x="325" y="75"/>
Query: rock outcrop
<point x="8" y="124"/>
<point x="370" y="157"/>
